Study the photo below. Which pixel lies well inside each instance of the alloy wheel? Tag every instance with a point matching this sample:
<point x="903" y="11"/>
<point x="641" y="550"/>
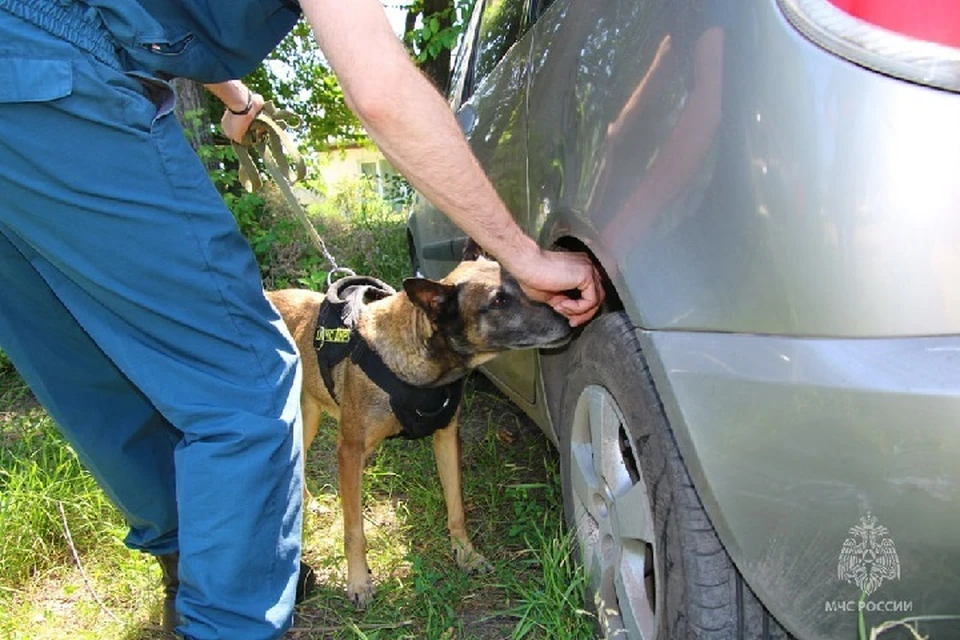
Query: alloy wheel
<point x="614" y="521"/>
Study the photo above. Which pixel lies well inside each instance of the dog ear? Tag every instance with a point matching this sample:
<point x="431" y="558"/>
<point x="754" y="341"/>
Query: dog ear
<point x="472" y="251"/>
<point x="436" y="299"/>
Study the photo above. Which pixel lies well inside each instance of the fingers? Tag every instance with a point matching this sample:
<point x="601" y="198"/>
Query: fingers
<point x="591" y="292"/>
<point x="576" y="310"/>
<point x="579" y="311"/>
<point x="235" y="125"/>
<point x="547" y="276"/>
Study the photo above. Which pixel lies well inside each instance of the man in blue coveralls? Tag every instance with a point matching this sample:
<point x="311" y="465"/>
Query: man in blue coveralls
<point x="132" y="305"/>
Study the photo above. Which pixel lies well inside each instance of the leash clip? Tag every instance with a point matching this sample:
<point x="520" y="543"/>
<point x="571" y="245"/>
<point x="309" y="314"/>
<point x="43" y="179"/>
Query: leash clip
<point x="345" y="270"/>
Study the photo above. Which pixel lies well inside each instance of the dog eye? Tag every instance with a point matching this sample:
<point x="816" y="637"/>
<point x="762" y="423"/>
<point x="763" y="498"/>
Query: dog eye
<point x="499" y="301"/>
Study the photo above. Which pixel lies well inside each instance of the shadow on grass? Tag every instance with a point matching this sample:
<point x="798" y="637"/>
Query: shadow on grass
<point x="16" y="399"/>
<point x="148" y="630"/>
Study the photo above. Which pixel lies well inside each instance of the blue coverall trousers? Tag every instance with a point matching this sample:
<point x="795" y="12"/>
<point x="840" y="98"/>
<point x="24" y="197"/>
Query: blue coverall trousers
<point x="133" y="307"/>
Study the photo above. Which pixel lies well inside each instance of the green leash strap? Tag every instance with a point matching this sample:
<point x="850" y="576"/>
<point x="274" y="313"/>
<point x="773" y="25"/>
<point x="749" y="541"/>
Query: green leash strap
<point x="268" y="138"/>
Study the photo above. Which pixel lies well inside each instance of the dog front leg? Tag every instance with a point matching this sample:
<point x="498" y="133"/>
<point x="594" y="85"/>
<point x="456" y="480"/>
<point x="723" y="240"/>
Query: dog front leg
<point x="446" y="448"/>
<point x="310" y="413"/>
<point x="360" y="587"/>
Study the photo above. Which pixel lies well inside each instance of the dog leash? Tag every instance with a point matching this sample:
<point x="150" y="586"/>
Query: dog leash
<point x="282" y="160"/>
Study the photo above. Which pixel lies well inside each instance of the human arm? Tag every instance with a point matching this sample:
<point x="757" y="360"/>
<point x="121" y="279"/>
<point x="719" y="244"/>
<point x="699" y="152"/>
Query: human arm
<point x="242" y="106"/>
<point x="415" y="129"/>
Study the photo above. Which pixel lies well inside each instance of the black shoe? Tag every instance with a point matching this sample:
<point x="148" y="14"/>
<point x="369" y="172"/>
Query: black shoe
<point x="306" y="583"/>
<point x="170" y="580"/>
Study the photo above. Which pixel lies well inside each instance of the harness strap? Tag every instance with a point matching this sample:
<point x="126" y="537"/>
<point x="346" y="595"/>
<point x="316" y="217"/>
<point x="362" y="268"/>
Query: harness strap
<point x="335" y="338"/>
<point x="420" y="410"/>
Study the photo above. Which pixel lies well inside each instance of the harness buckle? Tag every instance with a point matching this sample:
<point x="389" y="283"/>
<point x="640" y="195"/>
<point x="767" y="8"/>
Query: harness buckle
<point x="435" y="412"/>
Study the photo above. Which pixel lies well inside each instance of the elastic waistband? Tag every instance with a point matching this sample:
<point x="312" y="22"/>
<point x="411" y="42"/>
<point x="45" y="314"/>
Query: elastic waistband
<point x="71" y="21"/>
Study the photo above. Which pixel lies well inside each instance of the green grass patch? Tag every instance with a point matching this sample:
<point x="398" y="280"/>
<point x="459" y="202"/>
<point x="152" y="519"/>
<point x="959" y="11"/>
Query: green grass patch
<point x="360" y="230"/>
<point x="40" y="476"/>
<point x="514" y="513"/>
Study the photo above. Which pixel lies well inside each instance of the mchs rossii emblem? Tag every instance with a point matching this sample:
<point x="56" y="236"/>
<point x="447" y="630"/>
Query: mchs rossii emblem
<point x="868" y="557"/>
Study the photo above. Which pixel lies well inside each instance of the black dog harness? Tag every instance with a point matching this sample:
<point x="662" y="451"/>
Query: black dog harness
<point x="420" y="410"/>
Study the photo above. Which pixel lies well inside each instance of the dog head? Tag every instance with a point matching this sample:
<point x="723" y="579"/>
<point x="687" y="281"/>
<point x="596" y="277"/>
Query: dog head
<point x="479" y="310"/>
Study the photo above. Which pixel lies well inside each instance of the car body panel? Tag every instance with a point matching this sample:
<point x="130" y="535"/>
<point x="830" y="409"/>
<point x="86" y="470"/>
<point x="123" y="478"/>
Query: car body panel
<point x="792" y="441"/>
<point x="806" y="197"/>
<point x="784" y="228"/>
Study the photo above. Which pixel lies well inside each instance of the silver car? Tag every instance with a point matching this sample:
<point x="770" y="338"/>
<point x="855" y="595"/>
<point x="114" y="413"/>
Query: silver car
<point x="760" y="435"/>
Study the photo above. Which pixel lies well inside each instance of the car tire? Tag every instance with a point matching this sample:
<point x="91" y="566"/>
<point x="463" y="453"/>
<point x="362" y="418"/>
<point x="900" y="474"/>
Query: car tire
<point x="655" y="565"/>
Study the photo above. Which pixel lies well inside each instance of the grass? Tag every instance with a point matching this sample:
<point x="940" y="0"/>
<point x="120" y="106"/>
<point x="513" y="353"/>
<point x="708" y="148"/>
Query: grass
<point x="65" y="573"/>
<point x="360" y="230"/>
<point x="513" y="508"/>
<point x="50" y="508"/>
<point x="511" y="496"/>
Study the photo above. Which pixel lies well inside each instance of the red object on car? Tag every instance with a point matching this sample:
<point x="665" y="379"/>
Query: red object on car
<point x="932" y="20"/>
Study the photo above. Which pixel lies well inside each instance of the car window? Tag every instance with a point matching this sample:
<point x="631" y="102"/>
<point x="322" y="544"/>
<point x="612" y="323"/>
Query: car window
<point x="544" y="5"/>
<point x="500" y="27"/>
<point x="461" y="76"/>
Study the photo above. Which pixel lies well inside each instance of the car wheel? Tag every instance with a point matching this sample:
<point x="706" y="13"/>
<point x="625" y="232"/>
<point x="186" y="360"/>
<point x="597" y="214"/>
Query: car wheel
<point x="656" y="567"/>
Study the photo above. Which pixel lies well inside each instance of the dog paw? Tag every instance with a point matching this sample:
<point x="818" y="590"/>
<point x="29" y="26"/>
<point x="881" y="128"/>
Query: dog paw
<point x="361" y="593"/>
<point x="471" y="560"/>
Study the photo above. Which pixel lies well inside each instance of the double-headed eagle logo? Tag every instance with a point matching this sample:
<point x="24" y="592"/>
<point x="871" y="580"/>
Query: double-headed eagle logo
<point x="868" y="557"/>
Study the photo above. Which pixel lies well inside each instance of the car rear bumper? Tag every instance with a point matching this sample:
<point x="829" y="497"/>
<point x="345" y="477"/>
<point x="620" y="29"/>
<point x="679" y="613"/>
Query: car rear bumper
<point x="792" y="442"/>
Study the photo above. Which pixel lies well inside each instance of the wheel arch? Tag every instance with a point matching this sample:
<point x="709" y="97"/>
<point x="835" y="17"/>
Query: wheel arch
<point x="567" y="231"/>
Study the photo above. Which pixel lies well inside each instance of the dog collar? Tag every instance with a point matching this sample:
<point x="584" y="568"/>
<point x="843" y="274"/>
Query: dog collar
<point x="420" y="410"/>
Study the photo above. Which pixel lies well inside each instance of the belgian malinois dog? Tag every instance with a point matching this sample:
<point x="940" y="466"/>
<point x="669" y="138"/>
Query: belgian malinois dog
<point x="403" y="357"/>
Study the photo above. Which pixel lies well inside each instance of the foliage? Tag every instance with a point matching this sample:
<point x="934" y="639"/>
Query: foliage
<point x="296" y="77"/>
<point x="364" y="229"/>
<point x="363" y="226"/>
<point x="438" y="30"/>
<point x="200" y="131"/>
<point x="398" y="193"/>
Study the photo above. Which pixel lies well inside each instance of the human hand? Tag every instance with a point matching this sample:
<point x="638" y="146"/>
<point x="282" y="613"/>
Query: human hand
<point x="235" y="125"/>
<point x="550" y="276"/>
